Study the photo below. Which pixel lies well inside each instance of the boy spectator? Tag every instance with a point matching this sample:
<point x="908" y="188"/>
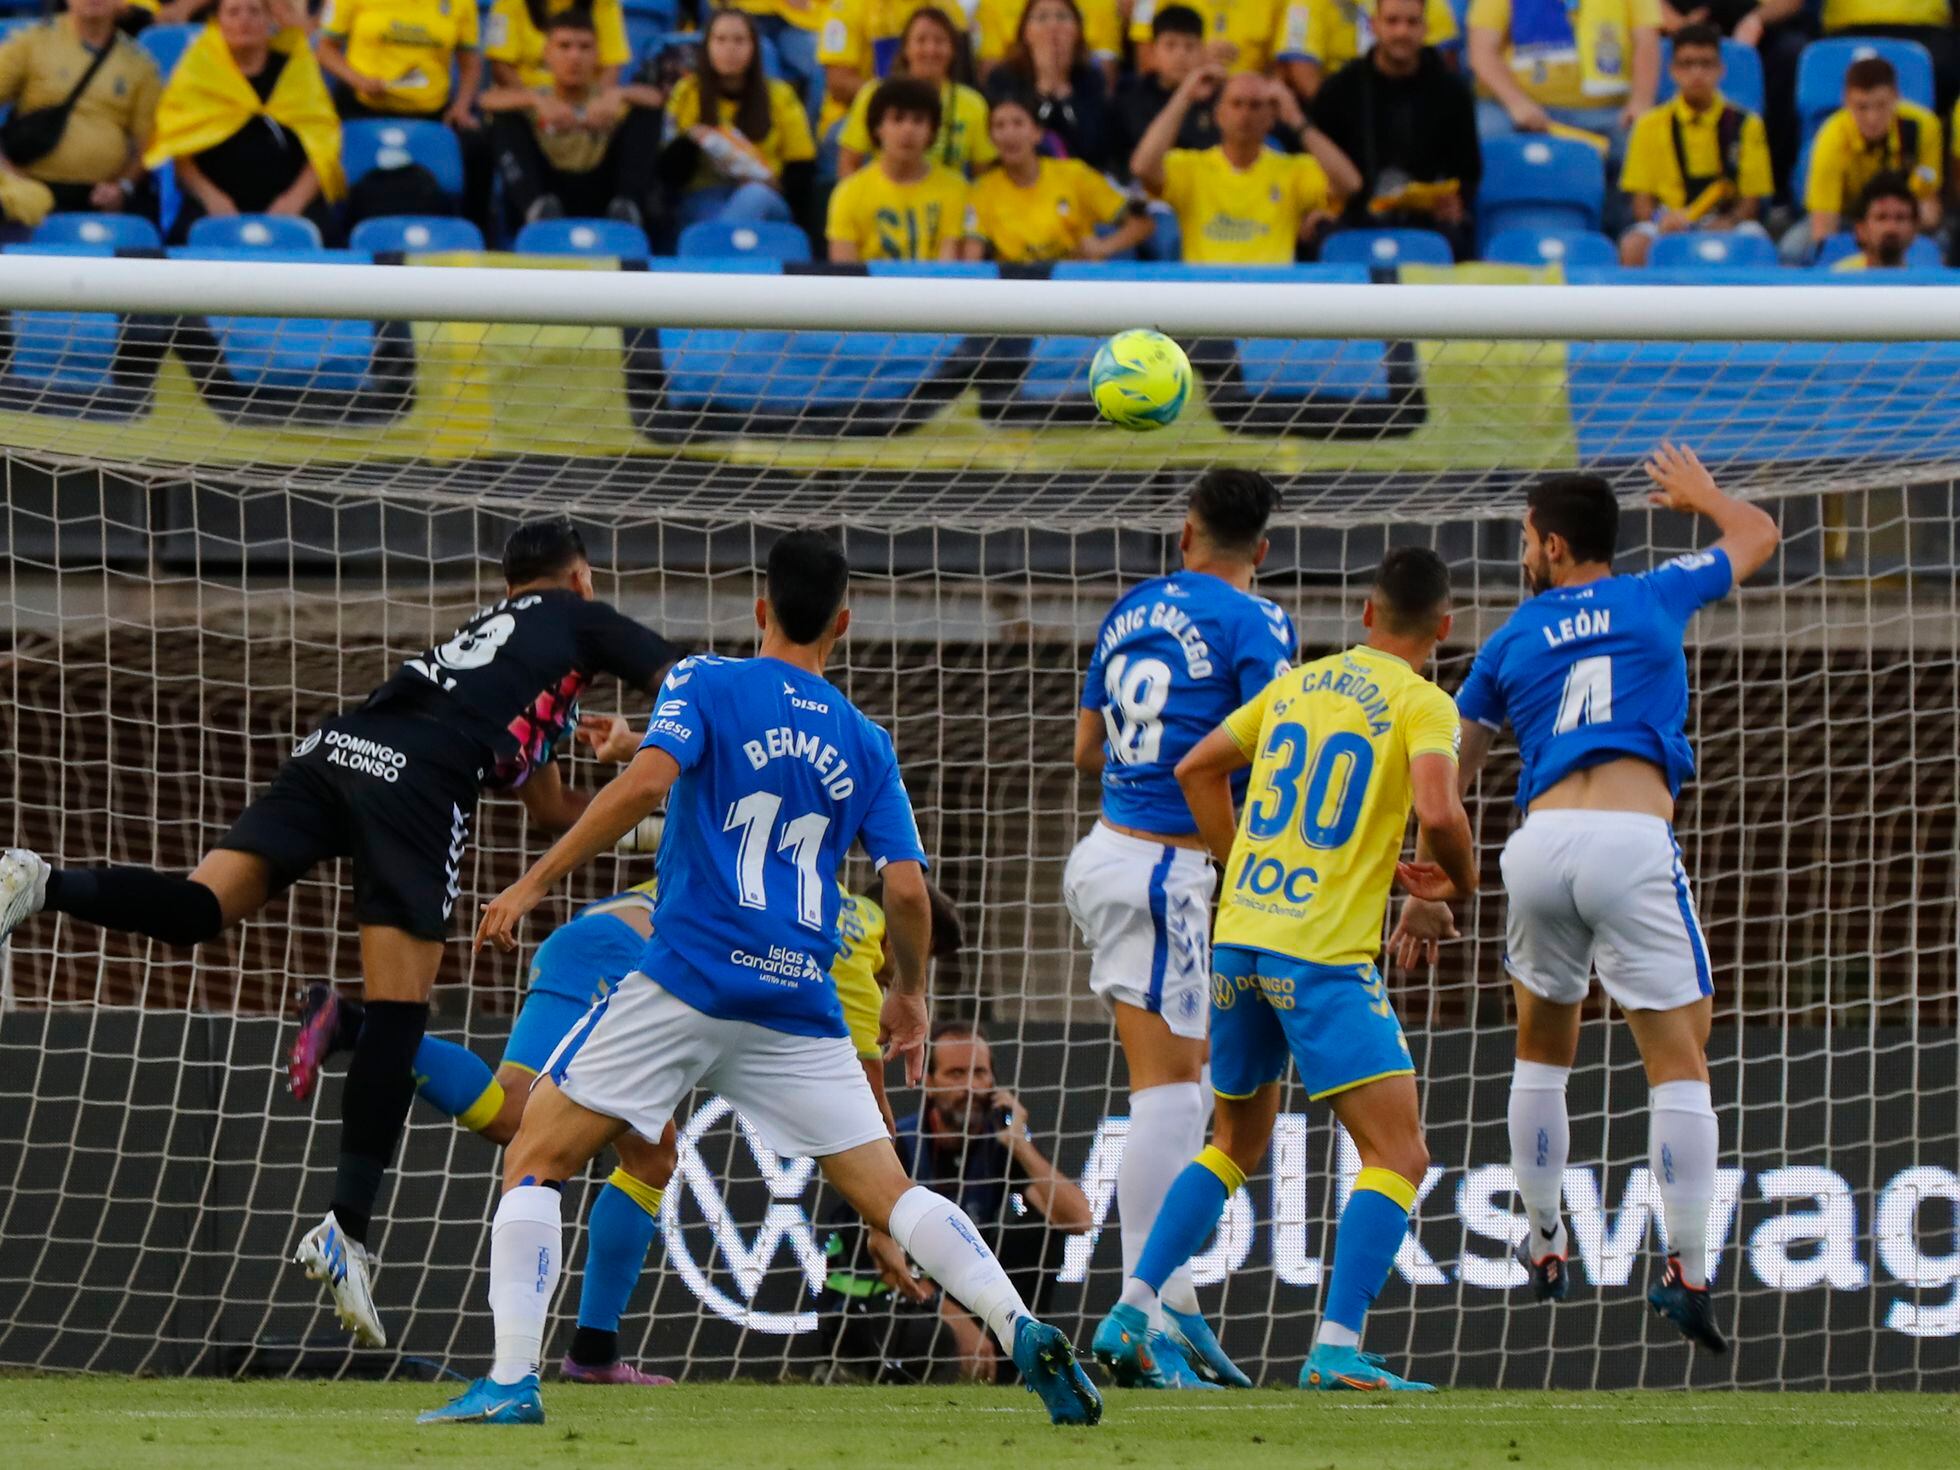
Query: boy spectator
<point x="1535" y="76"/>
<point x="96" y="161"/>
<point x="1887" y="224"/>
<point x="513" y="39"/>
<point x="1697" y="162"/>
<point x="1874" y="132"/>
<point x="1176" y="49"/>
<point x="1242" y="203"/>
<point x="1928" y="22"/>
<point x="574" y="146"/>
<point x="1410" y="125"/>
<point x="1240" y="35"/>
<point x="1317" y="40"/>
<point x="902" y="205"/>
<point x="1031" y="209"/>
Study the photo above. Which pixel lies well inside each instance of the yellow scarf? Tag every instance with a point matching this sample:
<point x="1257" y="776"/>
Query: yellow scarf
<point x="208" y="99"/>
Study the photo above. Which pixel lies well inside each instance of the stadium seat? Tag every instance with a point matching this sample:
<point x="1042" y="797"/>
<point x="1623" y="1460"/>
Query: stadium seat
<point x="667" y="12"/>
<point x="1742" y="75"/>
<point x="1703" y="248"/>
<point x="167" y="44"/>
<point x="582" y="237"/>
<point x="256" y="232"/>
<point x="646" y="36"/>
<point x="283" y="355"/>
<point x="1922" y="254"/>
<point x="712" y="239"/>
<point x="62" y="351"/>
<point x="1820" y="74"/>
<point x="370" y="143"/>
<point x="1552" y="247"/>
<point x="17" y="23"/>
<point x="117" y="231"/>
<point x="1539" y="183"/>
<point x="1387" y="247"/>
<point x="415" y="232"/>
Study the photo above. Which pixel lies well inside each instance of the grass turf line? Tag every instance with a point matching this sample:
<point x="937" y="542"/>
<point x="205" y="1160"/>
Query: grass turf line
<point x="55" y="1423"/>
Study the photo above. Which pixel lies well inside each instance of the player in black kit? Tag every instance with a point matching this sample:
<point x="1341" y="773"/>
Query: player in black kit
<point x="391" y="784"/>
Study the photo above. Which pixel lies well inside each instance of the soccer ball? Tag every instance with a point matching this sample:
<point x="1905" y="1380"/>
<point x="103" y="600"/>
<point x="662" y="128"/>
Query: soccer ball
<point x="1140" y="379"/>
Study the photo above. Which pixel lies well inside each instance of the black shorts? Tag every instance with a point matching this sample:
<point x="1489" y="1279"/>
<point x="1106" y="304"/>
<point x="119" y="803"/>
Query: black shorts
<point x="395" y="794"/>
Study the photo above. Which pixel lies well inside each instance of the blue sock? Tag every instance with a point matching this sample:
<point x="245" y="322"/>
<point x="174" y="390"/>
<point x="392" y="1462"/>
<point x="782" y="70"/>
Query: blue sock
<point x="624" y="1218"/>
<point x="1188" y="1215"/>
<point x="457" y="1081"/>
<point x="1372" y="1229"/>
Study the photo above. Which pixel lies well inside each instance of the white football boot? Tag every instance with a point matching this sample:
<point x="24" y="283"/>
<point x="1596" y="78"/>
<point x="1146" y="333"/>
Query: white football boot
<point x="348" y="1270"/>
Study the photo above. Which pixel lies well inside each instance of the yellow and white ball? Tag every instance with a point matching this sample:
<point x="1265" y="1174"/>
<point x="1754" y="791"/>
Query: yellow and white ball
<point x="1140" y="379"/>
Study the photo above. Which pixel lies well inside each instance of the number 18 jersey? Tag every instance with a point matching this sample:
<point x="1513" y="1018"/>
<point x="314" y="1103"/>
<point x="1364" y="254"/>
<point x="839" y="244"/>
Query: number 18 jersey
<point x="1174" y="657"/>
<point x="780" y="775"/>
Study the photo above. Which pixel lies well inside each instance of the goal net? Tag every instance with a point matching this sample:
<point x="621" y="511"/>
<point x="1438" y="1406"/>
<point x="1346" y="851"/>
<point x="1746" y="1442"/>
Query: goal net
<point x="224" y="521"/>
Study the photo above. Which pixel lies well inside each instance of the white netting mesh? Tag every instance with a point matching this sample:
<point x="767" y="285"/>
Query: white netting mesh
<point x="190" y="586"/>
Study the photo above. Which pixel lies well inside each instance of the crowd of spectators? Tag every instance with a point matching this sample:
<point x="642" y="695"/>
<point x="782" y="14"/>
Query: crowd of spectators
<point x="1025" y="131"/>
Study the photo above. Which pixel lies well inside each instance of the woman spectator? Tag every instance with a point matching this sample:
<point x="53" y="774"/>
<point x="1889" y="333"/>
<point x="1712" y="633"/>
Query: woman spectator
<point x="1031" y="209"/>
<point x="395" y="58"/>
<point x="247" y="120"/>
<point x="514" y="39"/>
<point x="930" y="49"/>
<point x="749" y="156"/>
<point x="1050" y="62"/>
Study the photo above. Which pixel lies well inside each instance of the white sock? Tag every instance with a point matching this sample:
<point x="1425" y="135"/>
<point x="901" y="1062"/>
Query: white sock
<point x="1139" y="1295"/>
<point x="937" y="1234"/>
<point x="1681" y="1146"/>
<point x="1332" y="1334"/>
<point x="1541" y="1138"/>
<point x="526" y="1252"/>
<point x="1167" y="1128"/>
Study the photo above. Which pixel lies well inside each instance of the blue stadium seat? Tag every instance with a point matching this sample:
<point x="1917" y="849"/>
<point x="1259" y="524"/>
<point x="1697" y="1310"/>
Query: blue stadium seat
<point x="1709" y="248"/>
<point x="667" y="12"/>
<point x="712" y="239"/>
<point x="582" y="237"/>
<point x="646" y="35"/>
<point x="1552" y="247"/>
<point x="1386" y="248"/>
<point x="116" y="231"/>
<point x="415" y="232"/>
<point x="1820" y="74"/>
<point x="167" y="44"/>
<point x="377" y="143"/>
<point x="256" y="232"/>
<point x="63" y="351"/>
<point x="288" y="354"/>
<point x="17" y="23"/>
<point x="1539" y="183"/>
<point x="1922" y="254"/>
<point x="1742" y="75"/>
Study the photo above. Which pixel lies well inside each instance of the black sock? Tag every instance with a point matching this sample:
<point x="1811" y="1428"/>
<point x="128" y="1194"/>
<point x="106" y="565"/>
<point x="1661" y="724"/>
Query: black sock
<point x="347" y="1031"/>
<point x="138" y="901"/>
<point x="374" y="1106"/>
<point x="594" y="1347"/>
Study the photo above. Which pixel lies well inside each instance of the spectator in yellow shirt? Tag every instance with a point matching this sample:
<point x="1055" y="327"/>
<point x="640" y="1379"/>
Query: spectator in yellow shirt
<point x="1588" y="64"/>
<point x="859" y="43"/>
<point x="750" y="156"/>
<point x="1031" y="209"/>
<point x="1696" y="162"/>
<point x="1318" y="39"/>
<point x="1243" y="203"/>
<point x="1887" y="224"/>
<point x="1241" y="35"/>
<point x="1928" y="22"/>
<point x="1873" y="133"/>
<point x="931" y="51"/>
<point x="514" y="40"/>
<point x="904" y="206"/>
<point x="395" y="57"/>
<point x="997" y="22"/>
<point x="791" y="26"/>
<point x="1049" y="63"/>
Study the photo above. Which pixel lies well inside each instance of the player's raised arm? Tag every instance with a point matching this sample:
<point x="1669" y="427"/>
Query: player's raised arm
<point x="1205" y="776"/>
<point x="1749" y="533"/>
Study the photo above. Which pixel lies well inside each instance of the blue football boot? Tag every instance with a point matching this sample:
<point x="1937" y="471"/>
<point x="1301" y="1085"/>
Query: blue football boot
<point x="485" y="1402"/>
<point x="1201" y="1348"/>
<point x="1346" y="1369"/>
<point x="1049" y="1368"/>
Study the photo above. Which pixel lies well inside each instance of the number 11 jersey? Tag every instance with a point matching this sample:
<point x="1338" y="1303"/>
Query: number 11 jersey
<point x="1175" y="656"/>
<point x="780" y="775"/>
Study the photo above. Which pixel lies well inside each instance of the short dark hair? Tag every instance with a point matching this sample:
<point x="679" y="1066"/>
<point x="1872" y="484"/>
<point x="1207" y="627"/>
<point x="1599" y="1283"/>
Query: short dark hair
<point x="1412" y="586"/>
<point x="572" y="18"/>
<point x="1868" y="73"/>
<point x="902" y="94"/>
<point x="808" y="575"/>
<point x="1233" y="506"/>
<point x="1888" y="184"/>
<point x="1179" y="20"/>
<point x="1582" y="509"/>
<point x="1698" y="34"/>
<point x="956" y="1031"/>
<point x="539" y="549"/>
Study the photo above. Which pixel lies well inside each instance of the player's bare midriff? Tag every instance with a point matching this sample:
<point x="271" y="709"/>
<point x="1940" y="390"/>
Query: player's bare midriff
<point x="1628" y="784"/>
<point x="1185" y="839"/>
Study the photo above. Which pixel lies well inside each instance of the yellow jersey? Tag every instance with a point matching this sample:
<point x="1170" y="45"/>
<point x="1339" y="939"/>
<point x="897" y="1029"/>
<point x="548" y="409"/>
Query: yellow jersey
<point x="1578" y="56"/>
<point x="995" y="23"/>
<point x="1051" y="218"/>
<point x="510" y="37"/>
<point x="963" y="142"/>
<point x="1841" y="15"/>
<point x="39" y="67"/>
<point x="1248" y="216"/>
<point x="1328" y="806"/>
<point x="1842" y="162"/>
<point x="864" y="34"/>
<point x="888" y="220"/>
<point x="788" y="140"/>
<point x="860" y="956"/>
<point x="1654" y="167"/>
<point x="805" y="15"/>
<point x="1253" y="27"/>
<point x="1334" y="32"/>
<point x="409" y="44"/>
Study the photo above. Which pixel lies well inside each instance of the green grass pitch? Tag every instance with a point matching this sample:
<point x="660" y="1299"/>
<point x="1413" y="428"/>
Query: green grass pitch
<point x="137" y="1425"/>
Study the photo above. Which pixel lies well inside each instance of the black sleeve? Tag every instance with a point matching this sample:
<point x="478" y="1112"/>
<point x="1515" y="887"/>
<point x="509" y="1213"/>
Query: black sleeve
<point x="1091" y="117"/>
<point x="1467" y="151"/>
<point x="635" y="655"/>
<point x="800" y="194"/>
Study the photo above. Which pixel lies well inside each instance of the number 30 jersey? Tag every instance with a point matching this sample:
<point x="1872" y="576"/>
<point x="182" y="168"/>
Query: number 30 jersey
<point x="1592" y="673"/>
<point x="780" y="776"/>
<point x="1174" y="657"/>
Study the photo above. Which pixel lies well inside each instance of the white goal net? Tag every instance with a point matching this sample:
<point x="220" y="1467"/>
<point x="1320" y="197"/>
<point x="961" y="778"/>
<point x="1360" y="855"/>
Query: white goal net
<point x="220" y="527"/>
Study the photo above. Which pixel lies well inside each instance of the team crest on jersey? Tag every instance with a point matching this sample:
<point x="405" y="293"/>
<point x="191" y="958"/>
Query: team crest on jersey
<point x="305" y="745"/>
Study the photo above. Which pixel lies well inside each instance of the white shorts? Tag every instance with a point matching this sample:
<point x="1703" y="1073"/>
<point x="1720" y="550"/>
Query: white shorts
<point x="1602" y="890"/>
<point x="1144" y="909"/>
<point x="639" y="1051"/>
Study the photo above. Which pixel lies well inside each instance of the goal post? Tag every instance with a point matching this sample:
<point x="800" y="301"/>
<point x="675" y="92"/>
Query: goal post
<point x="237" y="494"/>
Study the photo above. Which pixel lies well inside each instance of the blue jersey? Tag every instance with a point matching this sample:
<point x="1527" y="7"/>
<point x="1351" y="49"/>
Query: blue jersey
<point x="780" y="775"/>
<point x="1589" y="674"/>
<point x="1175" y="656"/>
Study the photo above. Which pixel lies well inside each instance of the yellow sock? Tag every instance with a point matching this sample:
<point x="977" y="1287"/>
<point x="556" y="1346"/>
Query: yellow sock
<point x="638" y="1190"/>
<point x="480" y="1114"/>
